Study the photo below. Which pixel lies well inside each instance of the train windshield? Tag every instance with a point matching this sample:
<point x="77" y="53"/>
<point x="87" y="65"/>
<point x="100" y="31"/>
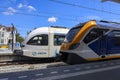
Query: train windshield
<point x="72" y="33"/>
<point x="58" y="39"/>
<point x="41" y="40"/>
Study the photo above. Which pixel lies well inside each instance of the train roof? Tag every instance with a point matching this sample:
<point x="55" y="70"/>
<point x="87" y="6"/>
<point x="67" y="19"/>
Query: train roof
<point x="46" y="30"/>
<point x="108" y="24"/>
<point x="102" y="24"/>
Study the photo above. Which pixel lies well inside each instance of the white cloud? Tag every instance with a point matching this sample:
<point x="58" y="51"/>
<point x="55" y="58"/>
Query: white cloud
<point x="92" y="17"/>
<point x="10" y="11"/>
<point x="25" y="6"/>
<point x="20" y="5"/>
<point x="31" y="8"/>
<point x="52" y="19"/>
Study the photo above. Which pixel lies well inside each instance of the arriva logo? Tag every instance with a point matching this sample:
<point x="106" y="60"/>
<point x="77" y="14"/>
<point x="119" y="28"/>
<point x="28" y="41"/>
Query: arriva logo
<point x="38" y="53"/>
<point x="34" y="53"/>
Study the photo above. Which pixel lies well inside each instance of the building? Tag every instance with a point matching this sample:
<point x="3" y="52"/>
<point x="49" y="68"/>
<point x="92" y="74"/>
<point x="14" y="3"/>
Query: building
<point x="7" y="36"/>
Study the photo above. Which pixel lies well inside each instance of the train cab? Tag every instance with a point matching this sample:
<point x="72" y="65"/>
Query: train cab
<point x="91" y="41"/>
<point x="43" y="42"/>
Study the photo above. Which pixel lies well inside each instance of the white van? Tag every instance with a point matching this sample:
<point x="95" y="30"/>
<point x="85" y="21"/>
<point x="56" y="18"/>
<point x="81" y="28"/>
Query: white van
<point x="43" y="42"/>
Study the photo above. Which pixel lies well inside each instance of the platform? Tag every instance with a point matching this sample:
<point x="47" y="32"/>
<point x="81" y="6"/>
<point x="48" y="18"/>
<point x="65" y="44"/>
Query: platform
<point x="5" y="51"/>
<point x="105" y="70"/>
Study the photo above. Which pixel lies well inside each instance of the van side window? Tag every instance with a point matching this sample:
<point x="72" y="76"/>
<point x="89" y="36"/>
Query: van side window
<point x="39" y="40"/>
<point x="58" y="39"/>
<point x="94" y="33"/>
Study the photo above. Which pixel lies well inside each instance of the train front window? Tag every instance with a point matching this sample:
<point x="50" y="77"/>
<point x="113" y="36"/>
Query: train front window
<point x="72" y="33"/>
<point x="70" y="36"/>
<point x="39" y="40"/>
<point x="58" y="39"/>
<point x="94" y="33"/>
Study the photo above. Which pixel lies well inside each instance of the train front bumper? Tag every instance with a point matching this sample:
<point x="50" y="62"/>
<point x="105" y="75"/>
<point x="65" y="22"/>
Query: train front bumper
<point x="18" y="52"/>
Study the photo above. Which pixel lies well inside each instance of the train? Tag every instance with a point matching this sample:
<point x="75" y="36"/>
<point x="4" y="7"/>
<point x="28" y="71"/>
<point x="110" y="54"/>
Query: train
<point x="43" y="42"/>
<point x="91" y="41"/>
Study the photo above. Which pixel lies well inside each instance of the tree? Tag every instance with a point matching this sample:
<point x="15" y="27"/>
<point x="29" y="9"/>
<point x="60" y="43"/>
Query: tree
<point x="19" y="38"/>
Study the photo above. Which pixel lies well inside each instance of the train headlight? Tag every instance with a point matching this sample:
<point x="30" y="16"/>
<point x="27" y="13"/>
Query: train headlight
<point x="74" y="46"/>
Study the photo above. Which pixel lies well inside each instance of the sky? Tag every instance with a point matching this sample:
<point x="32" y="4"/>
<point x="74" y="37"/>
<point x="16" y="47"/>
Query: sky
<point x="27" y="15"/>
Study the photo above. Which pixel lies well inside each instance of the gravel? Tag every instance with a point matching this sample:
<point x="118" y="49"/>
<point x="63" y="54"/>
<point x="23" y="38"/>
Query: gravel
<point x="25" y="67"/>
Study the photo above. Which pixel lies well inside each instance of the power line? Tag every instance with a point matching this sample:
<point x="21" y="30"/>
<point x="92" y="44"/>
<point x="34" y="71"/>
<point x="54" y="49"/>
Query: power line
<point x="5" y="7"/>
<point x="75" y="5"/>
<point x="68" y="15"/>
<point x="37" y="15"/>
<point x="70" y="19"/>
<point x="43" y="16"/>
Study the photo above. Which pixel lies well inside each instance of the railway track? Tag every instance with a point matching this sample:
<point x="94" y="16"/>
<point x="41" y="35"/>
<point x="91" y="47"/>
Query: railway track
<point x="16" y="60"/>
<point x="13" y="63"/>
<point x="14" y="66"/>
<point x="29" y="61"/>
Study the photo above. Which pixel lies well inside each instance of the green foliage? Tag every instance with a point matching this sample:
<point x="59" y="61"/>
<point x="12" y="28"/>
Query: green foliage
<point x="19" y="38"/>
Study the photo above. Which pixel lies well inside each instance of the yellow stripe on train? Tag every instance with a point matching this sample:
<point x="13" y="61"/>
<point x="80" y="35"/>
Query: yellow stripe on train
<point x="105" y="58"/>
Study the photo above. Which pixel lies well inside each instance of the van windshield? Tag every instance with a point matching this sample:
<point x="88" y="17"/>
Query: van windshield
<point x="72" y="33"/>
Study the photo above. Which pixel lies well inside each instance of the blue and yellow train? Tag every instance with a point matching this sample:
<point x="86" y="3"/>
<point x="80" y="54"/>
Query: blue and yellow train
<point x="91" y="41"/>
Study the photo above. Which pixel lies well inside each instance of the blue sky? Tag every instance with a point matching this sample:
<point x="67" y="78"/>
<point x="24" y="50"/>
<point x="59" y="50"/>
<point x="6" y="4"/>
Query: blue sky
<point x="29" y="14"/>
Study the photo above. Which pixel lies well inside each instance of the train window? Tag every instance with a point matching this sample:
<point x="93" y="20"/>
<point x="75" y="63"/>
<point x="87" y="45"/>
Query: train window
<point x="93" y="34"/>
<point x="72" y="33"/>
<point x="39" y="40"/>
<point x="58" y="39"/>
<point x="117" y="38"/>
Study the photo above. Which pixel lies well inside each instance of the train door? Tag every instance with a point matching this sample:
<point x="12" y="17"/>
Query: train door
<point x="102" y="42"/>
<point x="103" y="46"/>
<point x="97" y="41"/>
<point x="114" y="42"/>
<point x="55" y="46"/>
<point x="37" y="46"/>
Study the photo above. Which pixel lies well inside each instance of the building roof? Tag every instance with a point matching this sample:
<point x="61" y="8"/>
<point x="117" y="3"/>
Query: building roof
<point x="7" y="28"/>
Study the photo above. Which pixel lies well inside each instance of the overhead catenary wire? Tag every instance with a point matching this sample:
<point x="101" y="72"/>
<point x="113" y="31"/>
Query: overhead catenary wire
<point x="49" y="13"/>
<point x="80" y="6"/>
<point x="68" y="16"/>
<point x="38" y="15"/>
<point x="43" y="12"/>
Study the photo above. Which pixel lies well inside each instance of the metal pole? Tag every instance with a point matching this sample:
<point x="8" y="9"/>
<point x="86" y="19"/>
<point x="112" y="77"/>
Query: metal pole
<point x="12" y="37"/>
